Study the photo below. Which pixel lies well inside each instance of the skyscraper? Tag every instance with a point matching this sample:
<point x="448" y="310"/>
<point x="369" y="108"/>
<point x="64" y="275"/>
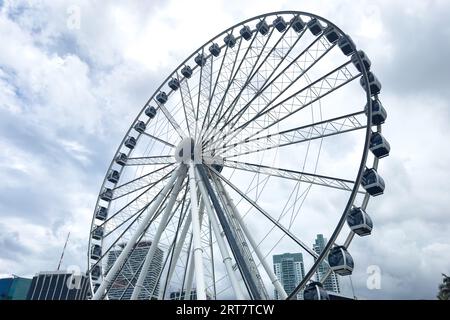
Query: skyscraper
<point x="58" y="285"/>
<point x="14" y="288"/>
<point x="123" y="287"/>
<point x="332" y="282"/>
<point x="289" y="269"/>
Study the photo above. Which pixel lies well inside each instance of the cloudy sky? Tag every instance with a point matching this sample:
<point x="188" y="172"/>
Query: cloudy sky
<point x="68" y="93"/>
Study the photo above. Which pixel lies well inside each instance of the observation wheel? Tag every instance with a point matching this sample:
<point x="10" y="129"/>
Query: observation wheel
<point x="264" y="137"/>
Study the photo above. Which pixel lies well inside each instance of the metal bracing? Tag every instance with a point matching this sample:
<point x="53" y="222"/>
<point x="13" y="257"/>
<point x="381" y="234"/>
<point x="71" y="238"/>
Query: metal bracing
<point x="127" y="205"/>
<point x="158" y="139"/>
<point x="179" y="246"/>
<point x="279" y="84"/>
<point x="267" y="268"/>
<point x="161" y="227"/>
<point x="217" y="85"/>
<point x="188" y="106"/>
<point x="197" y="250"/>
<point x="141" y="182"/>
<point x="136" y="217"/>
<point x="266" y="215"/>
<point x="204" y="94"/>
<point x="152" y="160"/>
<point x="273" y="90"/>
<point x="171" y="119"/>
<point x="301" y="134"/>
<point x="130" y="244"/>
<point x="224" y="79"/>
<point x="211" y="251"/>
<point x="265" y="70"/>
<point x="226" y="257"/>
<point x="330" y="182"/>
<point x="243" y="74"/>
<point x="241" y="263"/>
<point x="268" y="117"/>
<point x="229" y="210"/>
<point x="189" y="271"/>
<point x="161" y="209"/>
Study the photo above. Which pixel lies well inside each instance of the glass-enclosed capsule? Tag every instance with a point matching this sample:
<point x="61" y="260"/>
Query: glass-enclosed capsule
<point x="315" y="291"/>
<point x="186" y="71"/>
<point x="214" y="49"/>
<point x="174" y="84"/>
<point x="113" y="176"/>
<point x="101" y="213"/>
<point x="217" y="167"/>
<point x="340" y="261"/>
<point x="200" y="60"/>
<point x="364" y="58"/>
<point x="121" y="159"/>
<point x="372" y="182"/>
<point x="130" y="142"/>
<point x="96" y="252"/>
<point x="140" y="126"/>
<point x="280" y="24"/>
<point x="97" y="233"/>
<point x="314" y="26"/>
<point x="379" y="114"/>
<point x="262" y="27"/>
<point x="331" y="34"/>
<point x="297" y="24"/>
<point x="161" y="97"/>
<point x="246" y="33"/>
<point x="346" y="45"/>
<point x="359" y="222"/>
<point x="150" y="112"/>
<point x="96" y="272"/>
<point x="229" y="40"/>
<point x="374" y="84"/>
<point x="107" y="194"/>
<point x="379" y="145"/>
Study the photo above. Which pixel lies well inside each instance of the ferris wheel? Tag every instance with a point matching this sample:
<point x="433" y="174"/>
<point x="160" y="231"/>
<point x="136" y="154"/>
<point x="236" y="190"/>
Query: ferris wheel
<point x="266" y="135"/>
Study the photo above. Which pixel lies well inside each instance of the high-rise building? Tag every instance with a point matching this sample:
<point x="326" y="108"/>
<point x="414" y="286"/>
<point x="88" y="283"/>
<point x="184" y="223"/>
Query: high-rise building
<point x="180" y="295"/>
<point x="123" y="287"/>
<point x="14" y="288"/>
<point x="58" y="285"/>
<point x="289" y="269"/>
<point x="332" y="282"/>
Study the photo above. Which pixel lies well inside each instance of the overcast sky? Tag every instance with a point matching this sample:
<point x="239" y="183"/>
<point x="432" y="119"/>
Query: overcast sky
<point x="67" y="95"/>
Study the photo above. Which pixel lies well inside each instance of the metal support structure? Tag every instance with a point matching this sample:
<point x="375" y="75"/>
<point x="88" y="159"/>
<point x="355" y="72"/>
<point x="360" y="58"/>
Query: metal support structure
<point x="226" y="258"/>
<point x="154" y="245"/>
<point x="273" y="278"/>
<point x="242" y="243"/>
<point x="198" y="250"/>
<point x="245" y="272"/>
<point x="310" y="178"/>
<point x="267" y="215"/>
<point x="179" y="246"/>
<point x="301" y="134"/>
<point x="132" y="242"/>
